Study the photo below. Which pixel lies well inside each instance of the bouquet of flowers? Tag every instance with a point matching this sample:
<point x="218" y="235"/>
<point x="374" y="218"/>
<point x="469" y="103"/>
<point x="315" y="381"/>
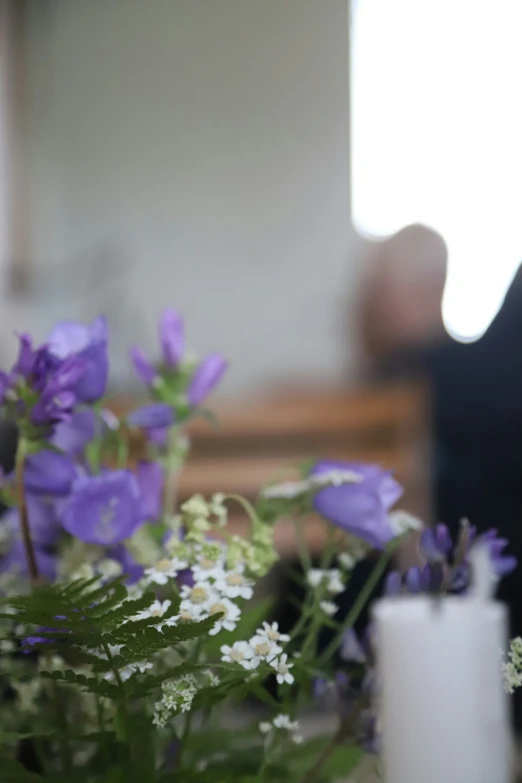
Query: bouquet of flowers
<point x="131" y="637"/>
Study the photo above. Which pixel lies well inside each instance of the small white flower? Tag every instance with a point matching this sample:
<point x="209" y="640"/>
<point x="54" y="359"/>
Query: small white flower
<point x="264" y="649"/>
<point x="240" y="652"/>
<point x="271" y="632"/>
<point x="297" y="739"/>
<point x="211" y="679"/>
<point x="108" y="569"/>
<point x="335" y="584"/>
<point x="402" y="522"/>
<point x="165" y="569"/>
<point x="7" y="646"/>
<point x="265" y="726"/>
<point x="282" y="668"/>
<point x="347" y="561"/>
<point x="156" y="609"/>
<point x="334" y="478"/>
<point x="127" y="671"/>
<point x="315" y="576"/>
<point x="234" y="584"/>
<point x="231" y="614"/>
<point x="199" y="598"/>
<point x="218" y="509"/>
<point x="196" y="506"/>
<point x="283" y="722"/>
<point x="286" y="491"/>
<point x="328" y="607"/>
<point x="206" y="569"/>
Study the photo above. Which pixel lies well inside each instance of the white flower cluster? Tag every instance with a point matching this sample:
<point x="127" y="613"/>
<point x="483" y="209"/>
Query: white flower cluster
<point x="265" y="647"/>
<point x="282" y="725"/>
<point x="330" y="578"/>
<point x="512" y="669"/>
<point x="402" y="522"/>
<point x="125" y="671"/>
<point x="177" y="696"/>
<point x="289" y="490"/>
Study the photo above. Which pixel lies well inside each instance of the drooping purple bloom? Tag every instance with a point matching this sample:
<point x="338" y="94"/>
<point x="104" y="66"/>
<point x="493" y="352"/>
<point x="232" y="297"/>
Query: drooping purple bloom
<point x="393" y="584"/>
<point x="159" y="437"/>
<point x="172" y="337"/>
<point x="150" y="482"/>
<point x="144" y="369"/>
<point x="362" y="508"/>
<point x="69" y="338"/>
<point x="49" y="472"/>
<point x="155" y="415"/>
<point x="104" y="509"/>
<point x="72" y="436"/>
<point x="206" y="377"/>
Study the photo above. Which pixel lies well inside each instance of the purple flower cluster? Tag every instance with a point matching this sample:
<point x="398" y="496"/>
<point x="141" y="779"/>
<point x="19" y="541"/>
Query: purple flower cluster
<point x="446" y="565"/>
<point x="47" y="382"/>
<point x="177" y="379"/>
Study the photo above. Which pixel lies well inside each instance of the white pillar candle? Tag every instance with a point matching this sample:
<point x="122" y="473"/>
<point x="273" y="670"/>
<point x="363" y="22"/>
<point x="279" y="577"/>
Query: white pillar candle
<point x="443" y="709"/>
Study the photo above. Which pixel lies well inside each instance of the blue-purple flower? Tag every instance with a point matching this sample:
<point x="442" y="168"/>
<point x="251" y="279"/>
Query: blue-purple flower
<point x="154" y="416"/>
<point x="206" y="377"/>
<point x="362" y="509"/>
<point x="172" y="340"/>
<point x="104" y="509"/>
<point x="89" y="343"/>
<point x="15" y="561"/>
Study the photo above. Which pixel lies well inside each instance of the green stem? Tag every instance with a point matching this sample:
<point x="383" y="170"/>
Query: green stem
<point x="23" y="513"/>
<point x="360" y="603"/>
<point x="303" y="551"/>
<point x="314" y="771"/>
<point x="61" y="720"/>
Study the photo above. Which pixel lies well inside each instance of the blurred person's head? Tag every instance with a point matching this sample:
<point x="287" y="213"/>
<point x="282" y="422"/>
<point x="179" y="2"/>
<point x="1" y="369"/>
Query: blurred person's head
<point x="402" y="295"/>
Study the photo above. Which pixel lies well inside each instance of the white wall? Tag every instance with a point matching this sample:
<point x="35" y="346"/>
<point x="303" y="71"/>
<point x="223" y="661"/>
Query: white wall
<point x="208" y="141"/>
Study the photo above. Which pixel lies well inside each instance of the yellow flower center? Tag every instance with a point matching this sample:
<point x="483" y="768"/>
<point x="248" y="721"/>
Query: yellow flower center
<point x="234" y="580"/>
<point x="163" y="565"/>
<point x="198" y="595"/>
<point x="206" y="563"/>
<point x="262" y="649"/>
<point x="236" y="655"/>
<point x="273" y="635"/>
<point x="218" y="608"/>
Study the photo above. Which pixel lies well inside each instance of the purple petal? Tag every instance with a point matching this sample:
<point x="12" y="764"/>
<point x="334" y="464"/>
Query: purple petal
<point x="144" y="369"/>
<point x="393" y="584"/>
<point x="443" y="539"/>
<point x="389" y="491"/>
<point x="172" y="337"/>
<point x="206" y="377"/>
<point x="70" y="338"/>
<point x="24" y="362"/>
<point x="49" y="472"/>
<point x="16" y="561"/>
<point x="72" y="436"/>
<point x="67" y="338"/>
<point x="43" y="521"/>
<point x="351" y="650"/>
<point x="413" y="580"/>
<point x="154" y="416"/>
<point x="159" y="437"/>
<point x="104" y="509"/>
<point x="150" y="482"/>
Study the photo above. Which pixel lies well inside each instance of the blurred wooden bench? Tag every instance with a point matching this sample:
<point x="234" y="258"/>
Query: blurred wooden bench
<point x="261" y="440"/>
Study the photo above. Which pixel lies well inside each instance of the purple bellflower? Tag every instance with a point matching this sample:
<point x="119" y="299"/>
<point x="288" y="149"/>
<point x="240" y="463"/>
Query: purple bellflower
<point x="154" y="416"/>
<point x="104" y="509"/>
<point x="89" y="343"/>
<point x="172" y="340"/>
<point x="360" y="509"/>
<point x="206" y="377"/>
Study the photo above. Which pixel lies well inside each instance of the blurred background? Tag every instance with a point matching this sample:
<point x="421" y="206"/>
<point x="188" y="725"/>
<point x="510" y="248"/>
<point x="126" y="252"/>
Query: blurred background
<point x="329" y="192"/>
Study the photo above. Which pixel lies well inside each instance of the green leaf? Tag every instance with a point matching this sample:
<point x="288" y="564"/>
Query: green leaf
<point x="88" y="684"/>
<point x="13" y="772"/>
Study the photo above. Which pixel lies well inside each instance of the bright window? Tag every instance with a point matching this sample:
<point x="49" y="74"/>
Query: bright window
<point x="436" y="95"/>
